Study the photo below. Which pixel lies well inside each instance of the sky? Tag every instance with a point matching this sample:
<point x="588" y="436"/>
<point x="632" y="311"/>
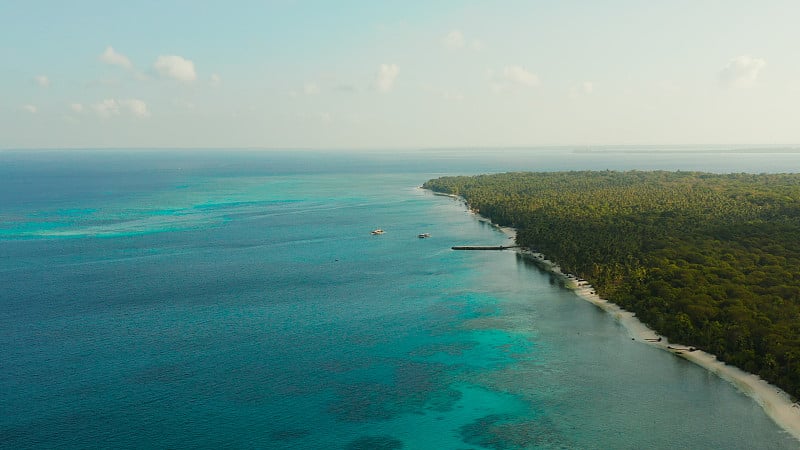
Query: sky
<point x="398" y="74"/>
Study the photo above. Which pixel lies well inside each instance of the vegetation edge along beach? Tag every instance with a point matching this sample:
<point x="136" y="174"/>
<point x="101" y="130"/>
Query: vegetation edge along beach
<point x="708" y="260"/>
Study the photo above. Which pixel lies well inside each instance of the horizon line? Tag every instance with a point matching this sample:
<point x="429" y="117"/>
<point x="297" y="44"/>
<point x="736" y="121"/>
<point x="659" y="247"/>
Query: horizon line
<point x="574" y="147"/>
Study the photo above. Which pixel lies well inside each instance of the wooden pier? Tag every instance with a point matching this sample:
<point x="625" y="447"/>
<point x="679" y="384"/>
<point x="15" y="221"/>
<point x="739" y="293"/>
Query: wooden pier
<point x="483" y="247"/>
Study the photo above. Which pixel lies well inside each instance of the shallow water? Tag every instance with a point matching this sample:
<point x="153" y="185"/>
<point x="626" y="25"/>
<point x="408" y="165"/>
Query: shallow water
<point x="208" y="299"/>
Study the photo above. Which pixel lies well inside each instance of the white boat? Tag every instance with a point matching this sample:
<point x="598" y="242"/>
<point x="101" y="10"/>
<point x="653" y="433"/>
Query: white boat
<point x="378" y="231"/>
<point x="424" y="235"/>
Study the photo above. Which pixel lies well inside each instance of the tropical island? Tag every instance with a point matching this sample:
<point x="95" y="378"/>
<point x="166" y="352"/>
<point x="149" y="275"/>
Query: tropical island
<point x="708" y="260"/>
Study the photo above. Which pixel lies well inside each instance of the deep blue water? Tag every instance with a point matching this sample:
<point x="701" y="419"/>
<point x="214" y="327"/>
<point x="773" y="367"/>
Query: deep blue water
<point x="177" y="299"/>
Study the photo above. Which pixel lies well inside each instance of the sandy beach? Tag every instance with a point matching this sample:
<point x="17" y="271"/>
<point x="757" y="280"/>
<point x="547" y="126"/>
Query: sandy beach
<point x="775" y="402"/>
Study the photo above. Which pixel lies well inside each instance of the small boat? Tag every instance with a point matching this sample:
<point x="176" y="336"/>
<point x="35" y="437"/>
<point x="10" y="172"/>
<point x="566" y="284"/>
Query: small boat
<point x="424" y="235"/>
<point x="378" y="231"/>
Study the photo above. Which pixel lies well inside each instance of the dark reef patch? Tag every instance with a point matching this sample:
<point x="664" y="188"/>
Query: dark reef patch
<point x="289" y="434"/>
<point x="412" y="387"/>
<point x="375" y="443"/>
<point x="502" y="432"/>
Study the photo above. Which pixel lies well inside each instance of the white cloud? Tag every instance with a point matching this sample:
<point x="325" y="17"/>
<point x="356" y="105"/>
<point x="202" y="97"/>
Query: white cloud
<point x="741" y="72"/>
<point x="520" y="75"/>
<point x="115" y="59"/>
<point x="510" y="77"/>
<point x="111" y="107"/>
<point x="582" y="89"/>
<point x="444" y="94"/>
<point x="452" y="96"/>
<point x="76" y="107"/>
<point x="42" y="81"/>
<point x="386" y="77"/>
<point x="136" y="107"/>
<point x="215" y="79"/>
<point x="311" y="89"/>
<point x="30" y="108"/>
<point x="177" y="67"/>
<point x="454" y="40"/>
<point x="107" y="108"/>
<point x="478" y="45"/>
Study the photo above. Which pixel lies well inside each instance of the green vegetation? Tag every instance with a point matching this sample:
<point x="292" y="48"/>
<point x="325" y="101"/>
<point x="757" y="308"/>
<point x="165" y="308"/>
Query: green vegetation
<point x="709" y="260"/>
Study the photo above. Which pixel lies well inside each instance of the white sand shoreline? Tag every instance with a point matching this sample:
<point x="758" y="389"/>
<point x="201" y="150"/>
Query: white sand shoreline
<point x="775" y="402"/>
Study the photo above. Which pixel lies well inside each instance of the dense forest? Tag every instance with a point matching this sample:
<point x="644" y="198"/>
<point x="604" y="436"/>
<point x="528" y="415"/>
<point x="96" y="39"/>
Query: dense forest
<point x="708" y="260"/>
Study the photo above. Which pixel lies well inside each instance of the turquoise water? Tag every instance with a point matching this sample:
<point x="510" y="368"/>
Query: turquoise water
<point x="229" y="299"/>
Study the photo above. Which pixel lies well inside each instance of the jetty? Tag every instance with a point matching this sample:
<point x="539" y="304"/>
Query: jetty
<point x="483" y="247"/>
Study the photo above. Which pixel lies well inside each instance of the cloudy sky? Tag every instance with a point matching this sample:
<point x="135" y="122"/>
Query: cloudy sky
<point x="398" y="74"/>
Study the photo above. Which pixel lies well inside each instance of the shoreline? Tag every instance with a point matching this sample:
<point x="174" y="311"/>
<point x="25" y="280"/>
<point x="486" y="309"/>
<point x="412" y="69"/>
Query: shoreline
<point x="775" y="402"/>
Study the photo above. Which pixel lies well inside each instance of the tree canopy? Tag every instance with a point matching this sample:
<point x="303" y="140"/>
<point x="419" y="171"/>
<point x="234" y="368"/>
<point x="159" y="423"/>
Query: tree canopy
<point x="709" y="260"/>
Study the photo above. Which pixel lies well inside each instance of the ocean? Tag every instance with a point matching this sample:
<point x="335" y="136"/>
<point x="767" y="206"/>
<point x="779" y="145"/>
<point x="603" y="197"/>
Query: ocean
<point x="237" y="299"/>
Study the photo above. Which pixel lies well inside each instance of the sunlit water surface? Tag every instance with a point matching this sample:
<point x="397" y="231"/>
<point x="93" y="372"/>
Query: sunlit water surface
<point x="237" y="299"/>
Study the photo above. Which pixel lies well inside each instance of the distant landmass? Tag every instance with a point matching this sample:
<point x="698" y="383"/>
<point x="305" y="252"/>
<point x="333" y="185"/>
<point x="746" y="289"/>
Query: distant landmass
<point x="686" y="149"/>
<point x="709" y="260"/>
